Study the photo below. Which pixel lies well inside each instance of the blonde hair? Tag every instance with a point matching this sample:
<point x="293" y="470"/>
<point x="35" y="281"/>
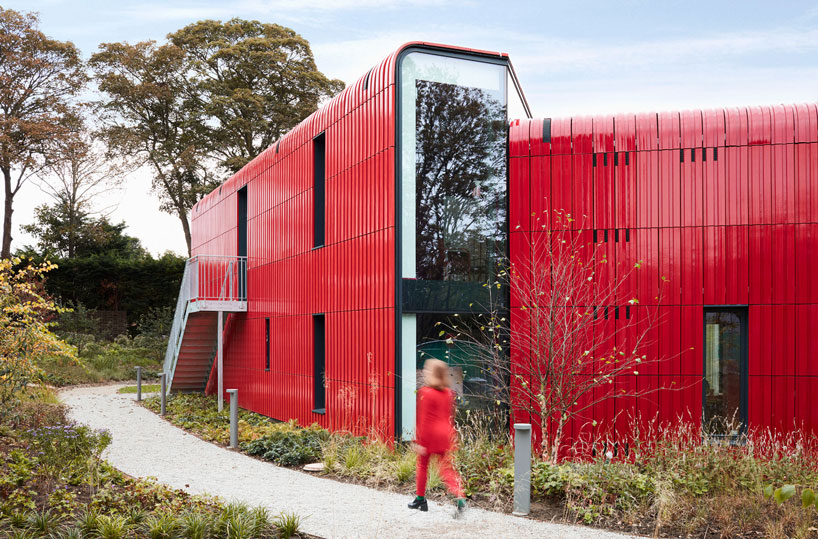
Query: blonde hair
<point x="436" y="373"/>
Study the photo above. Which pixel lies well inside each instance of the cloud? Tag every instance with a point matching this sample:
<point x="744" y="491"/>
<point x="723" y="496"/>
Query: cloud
<point x="284" y="9"/>
<point x="566" y="55"/>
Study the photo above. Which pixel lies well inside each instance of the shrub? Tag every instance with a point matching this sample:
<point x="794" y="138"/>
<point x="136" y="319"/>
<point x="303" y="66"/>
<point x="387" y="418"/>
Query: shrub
<point x="44" y="521"/>
<point x="194" y="525"/>
<point x="112" y="527"/>
<point x="161" y="526"/>
<point x="287" y="524"/>
<point x="68" y="452"/>
<point x="25" y="336"/>
<point x="289" y="447"/>
<point x="405" y="468"/>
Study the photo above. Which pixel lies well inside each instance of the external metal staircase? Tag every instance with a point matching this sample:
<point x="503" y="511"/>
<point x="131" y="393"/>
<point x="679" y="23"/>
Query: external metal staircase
<point x="211" y="286"/>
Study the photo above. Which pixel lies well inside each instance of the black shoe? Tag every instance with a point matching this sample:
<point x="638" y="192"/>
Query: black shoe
<point x="419" y="503"/>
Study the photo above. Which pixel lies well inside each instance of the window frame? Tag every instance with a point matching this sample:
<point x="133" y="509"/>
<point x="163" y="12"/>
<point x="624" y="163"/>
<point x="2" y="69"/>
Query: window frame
<point x="743" y="313"/>
<point x="319" y="335"/>
<point x="319" y="174"/>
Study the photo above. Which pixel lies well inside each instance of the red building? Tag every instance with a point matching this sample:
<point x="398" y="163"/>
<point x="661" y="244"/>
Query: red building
<point x="333" y="254"/>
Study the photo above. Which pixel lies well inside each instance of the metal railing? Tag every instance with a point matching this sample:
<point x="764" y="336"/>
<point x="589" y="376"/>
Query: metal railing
<point x="206" y="278"/>
<point x="218" y="278"/>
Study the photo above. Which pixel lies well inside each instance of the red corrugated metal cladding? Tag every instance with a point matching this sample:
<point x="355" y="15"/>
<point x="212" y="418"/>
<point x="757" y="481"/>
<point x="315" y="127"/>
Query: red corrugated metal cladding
<point x="718" y="207"/>
<point x="350" y="279"/>
<point x="721" y="208"/>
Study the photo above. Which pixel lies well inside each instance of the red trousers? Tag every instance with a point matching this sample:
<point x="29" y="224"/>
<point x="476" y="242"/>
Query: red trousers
<point x="448" y="473"/>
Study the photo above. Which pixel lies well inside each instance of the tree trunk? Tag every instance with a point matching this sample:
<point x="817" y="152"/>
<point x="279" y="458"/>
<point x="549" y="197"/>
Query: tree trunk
<point x="556" y="442"/>
<point x="6" y="252"/>
<point x="186" y="227"/>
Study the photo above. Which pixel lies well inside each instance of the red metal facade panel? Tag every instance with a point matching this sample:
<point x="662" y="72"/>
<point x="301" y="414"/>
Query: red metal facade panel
<point x="583" y="191"/>
<point x="520" y="193"/>
<point x="670" y="188"/>
<point x="647" y="187"/>
<point x="693" y="188"/>
<point x="625" y="132"/>
<point x="350" y="279"/>
<point x="603" y="186"/>
<point x="562" y="191"/>
<point x="625" y="190"/>
<point x="539" y="216"/>
<point x="723" y="210"/>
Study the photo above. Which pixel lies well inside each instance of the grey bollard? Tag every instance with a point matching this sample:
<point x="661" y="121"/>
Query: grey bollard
<point x="522" y="469"/>
<point x="138" y="384"/>
<point x="163" y="391"/>
<point x="234" y="417"/>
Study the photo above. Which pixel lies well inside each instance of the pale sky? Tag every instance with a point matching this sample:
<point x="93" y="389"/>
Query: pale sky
<point x="571" y="57"/>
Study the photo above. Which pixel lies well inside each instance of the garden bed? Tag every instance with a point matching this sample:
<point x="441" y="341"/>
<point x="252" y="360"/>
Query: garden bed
<point x="671" y="485"/>
<point x="53" y="483"/>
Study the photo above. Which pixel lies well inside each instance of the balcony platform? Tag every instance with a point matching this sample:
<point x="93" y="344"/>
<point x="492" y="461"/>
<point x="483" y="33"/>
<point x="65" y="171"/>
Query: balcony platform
<point x="228" y="306"/>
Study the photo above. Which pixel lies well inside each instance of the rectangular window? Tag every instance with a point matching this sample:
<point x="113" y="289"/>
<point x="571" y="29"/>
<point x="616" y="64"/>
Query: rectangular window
<point x="319" y="373"/>
<point x="725" y="371"/>
<point x="319" y="171"/>
<point x="242" y="244"/>
<point x="266" y="344"/>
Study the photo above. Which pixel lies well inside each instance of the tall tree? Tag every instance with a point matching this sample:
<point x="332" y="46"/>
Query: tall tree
<point x="150" y="114"/>
<point x="39" y="78"/>
<point x="255" y="80"/>
<point x="70" y="233"/>
<point x="80" y="174"/>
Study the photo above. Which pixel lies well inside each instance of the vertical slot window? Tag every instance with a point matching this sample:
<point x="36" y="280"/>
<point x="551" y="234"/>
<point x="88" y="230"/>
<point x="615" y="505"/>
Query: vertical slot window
<point x="319" y="372"/>
<point x="725" y="371"/>
<point x="266" y="344"/>
<point x="241" y="263"/>
<point x="319" y="171"/>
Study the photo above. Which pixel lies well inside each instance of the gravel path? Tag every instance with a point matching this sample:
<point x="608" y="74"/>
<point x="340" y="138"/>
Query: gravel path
<point x="146" y="445"/>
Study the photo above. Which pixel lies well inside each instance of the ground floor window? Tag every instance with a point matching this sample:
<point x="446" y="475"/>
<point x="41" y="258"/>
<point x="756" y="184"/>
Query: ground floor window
<point x="725" y="370"/>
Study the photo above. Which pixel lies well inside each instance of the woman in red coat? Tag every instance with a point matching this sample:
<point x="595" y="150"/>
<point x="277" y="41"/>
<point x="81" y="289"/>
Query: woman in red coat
<point x="435" y="434"/>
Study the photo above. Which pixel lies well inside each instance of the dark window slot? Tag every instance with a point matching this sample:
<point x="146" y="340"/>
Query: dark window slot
<point x="319" y="169"/>
<point x="627" y="159"/>
<point x="616" y="313"/>
<point x="605" y="159"/>
<point x="628" y="312"/>
<point x="681" y="156"/>
<point x="616" y="159"/>
<point x="606" y="235"/>
<point x="546" y="130"/>
<point x="594" y="159"/>
<point x="266" y="344"/>
<point x="606" y="313"/>
<point x="596" y="240"/>
<point x="692" y="155"/>
<point x="715" y="154"/>
<point x="616" y="235"/>
<point x="704" y="154"/>
<point x="627" y="234"/>
<point x="318" y="366"/>
<point x="242" y="242"/>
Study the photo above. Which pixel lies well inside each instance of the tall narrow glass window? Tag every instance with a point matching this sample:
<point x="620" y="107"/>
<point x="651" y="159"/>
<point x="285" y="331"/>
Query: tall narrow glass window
<point x="319" y="168"/>
<point x="453" y="155"/>
<point x="454" y="138"/>
<point x="725" y="371"/>
<point x="319" y="371"/>
<point x="242" y="243"/>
